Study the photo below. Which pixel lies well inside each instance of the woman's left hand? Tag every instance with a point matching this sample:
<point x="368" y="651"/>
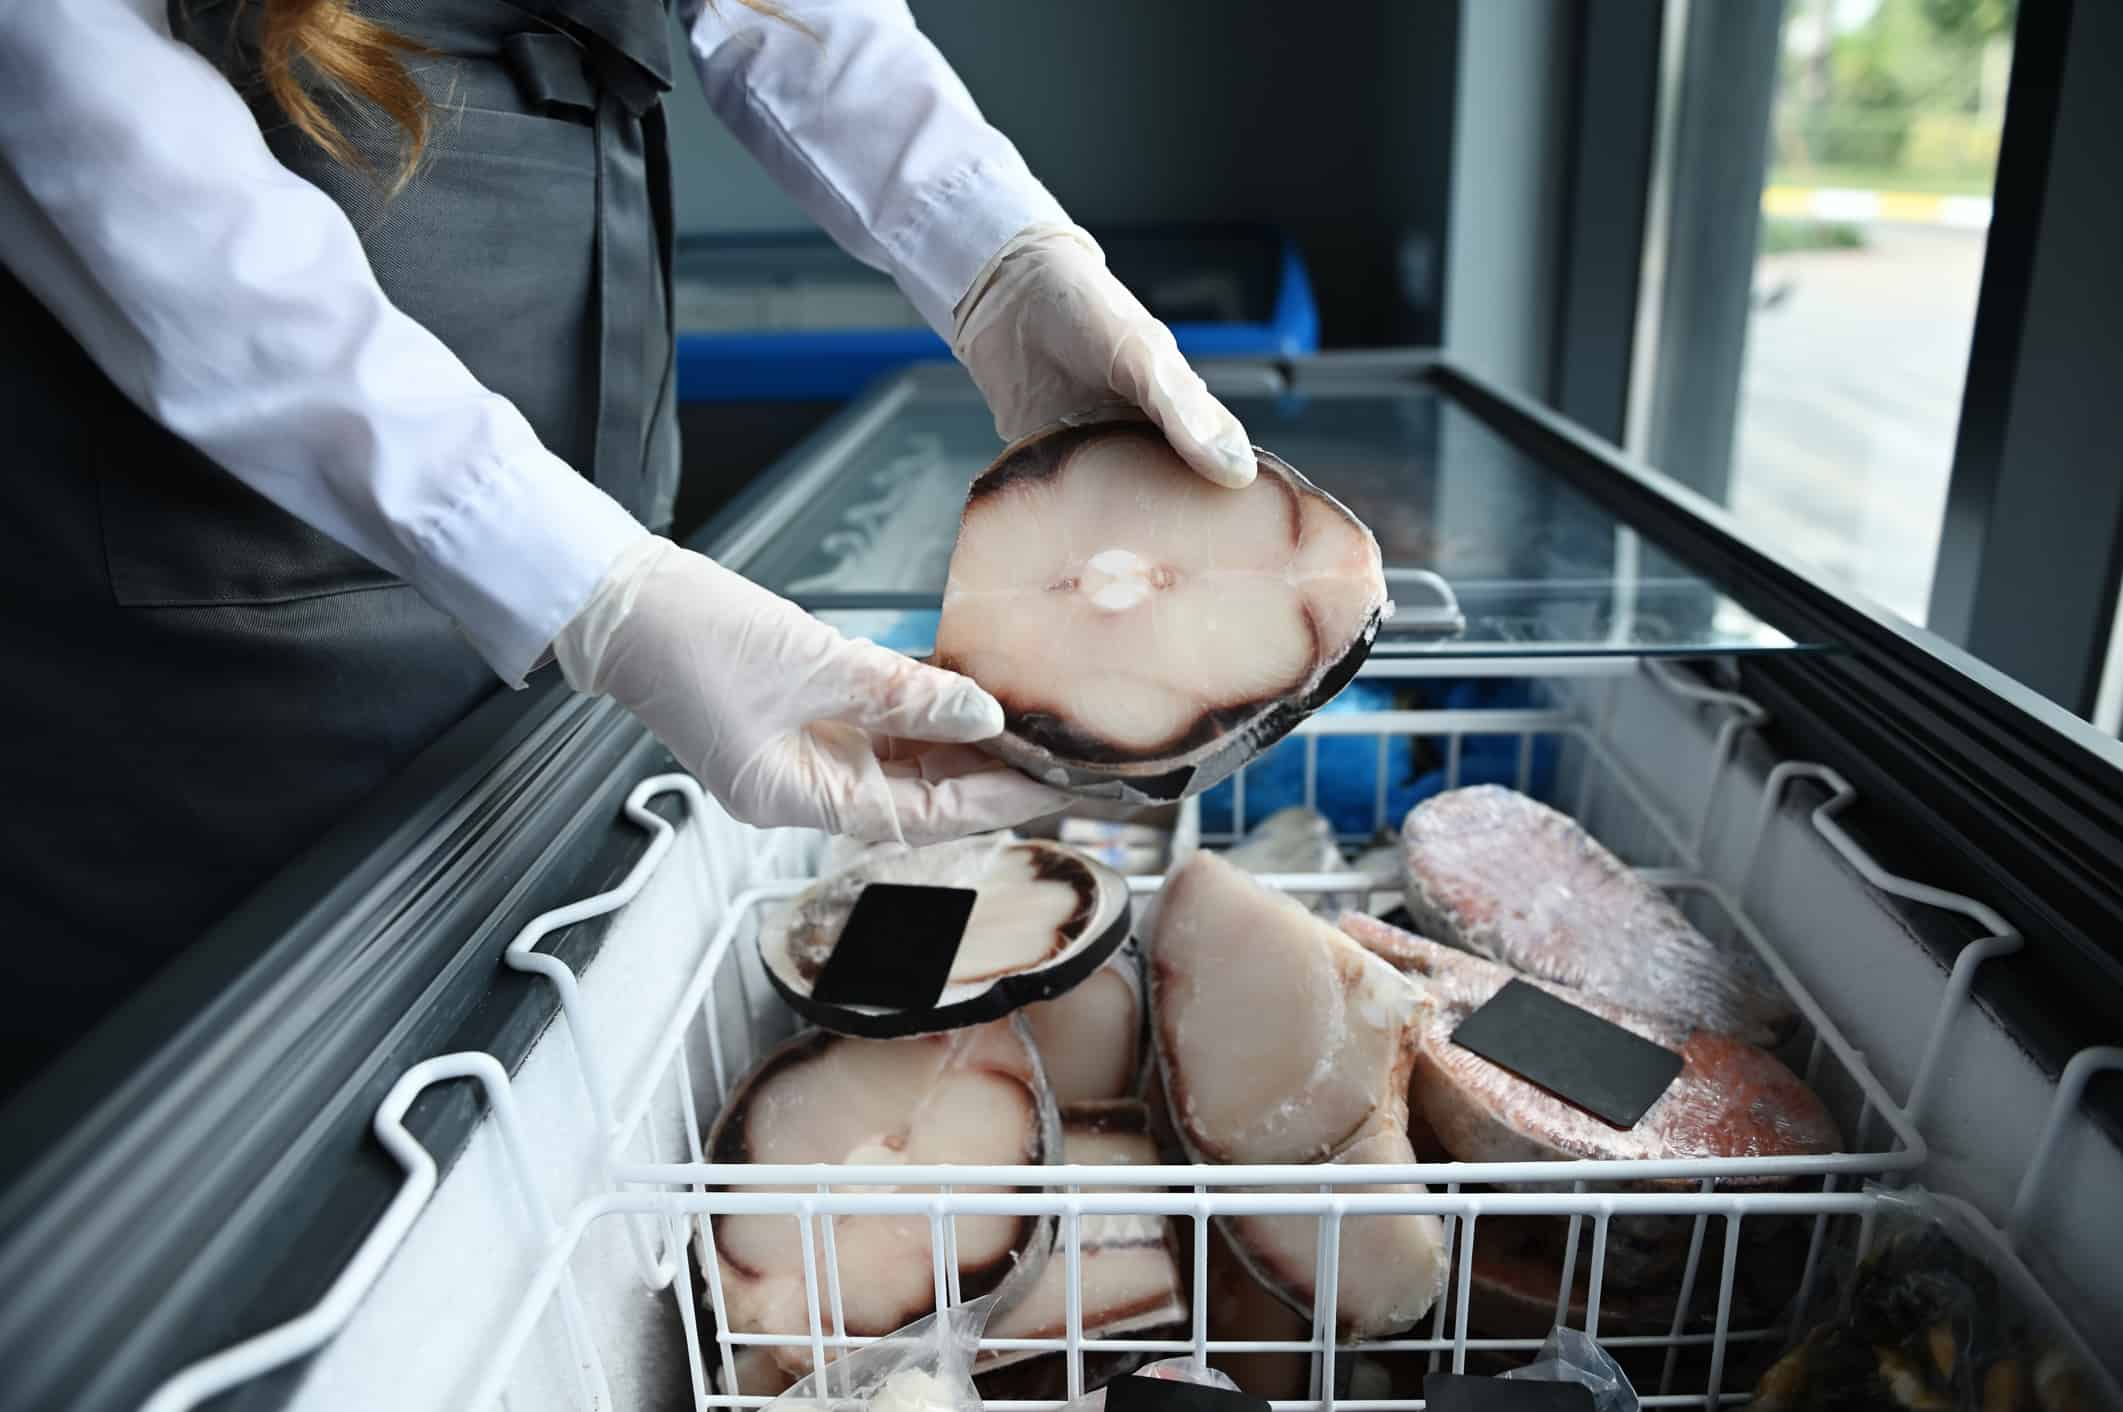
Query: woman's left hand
<point x="782" y="718"/>
<point x="1047" y="330"/>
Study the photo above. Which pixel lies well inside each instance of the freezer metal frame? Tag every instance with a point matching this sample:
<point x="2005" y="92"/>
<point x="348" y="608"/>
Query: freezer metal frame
<point x="663" y="1203"/>
<point x="199" y="1169"/>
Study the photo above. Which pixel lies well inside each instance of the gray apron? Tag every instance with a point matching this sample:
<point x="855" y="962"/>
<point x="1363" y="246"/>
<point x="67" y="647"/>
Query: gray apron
<point x="197" y="684"/>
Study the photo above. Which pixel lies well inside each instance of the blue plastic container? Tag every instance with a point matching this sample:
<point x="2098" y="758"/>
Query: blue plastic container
<point x="789" y="318"/>
<point x="1348" y="774"/>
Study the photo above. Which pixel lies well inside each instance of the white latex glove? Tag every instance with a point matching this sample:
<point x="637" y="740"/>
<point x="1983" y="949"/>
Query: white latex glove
<point x="785" y="720"/>
<point x="1047" y="330"/>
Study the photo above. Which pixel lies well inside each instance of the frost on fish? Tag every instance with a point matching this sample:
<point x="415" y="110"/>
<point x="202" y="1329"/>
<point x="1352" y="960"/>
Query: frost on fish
<point x="969" y="1096"/>
<point x="1729" y="1100"/>
<point x="1129" y="1276"/>
<point x="1504" y="876"/>
<point x="1045" y="917"/>
<point x="1147" y="632"/>
<point x="1281" y="1041"/>
<point x="1092" y="1038"/>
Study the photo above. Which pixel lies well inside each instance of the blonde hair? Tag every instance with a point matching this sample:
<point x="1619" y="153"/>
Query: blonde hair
<point x="303" y="42"/>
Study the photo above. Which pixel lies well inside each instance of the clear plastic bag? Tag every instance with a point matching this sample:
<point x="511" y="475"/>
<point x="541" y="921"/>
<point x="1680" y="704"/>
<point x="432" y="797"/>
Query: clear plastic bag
<point x="1571" y="1356"/>
<point x="925" y="1367"/>
<point x="1929" y="1321"/>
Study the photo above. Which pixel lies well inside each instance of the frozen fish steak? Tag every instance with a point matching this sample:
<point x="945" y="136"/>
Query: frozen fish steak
<point x="1147" y="632"/>
<point x="1127" y="1276"/>
<point x="1729" y="1100"/>
<point x="970" y="1096"/>
<point x="1282" y="1041"/>
<point x="1507" y="877"/>
<point x="1092" y="1039"/>
<point x="1045" y="917"/>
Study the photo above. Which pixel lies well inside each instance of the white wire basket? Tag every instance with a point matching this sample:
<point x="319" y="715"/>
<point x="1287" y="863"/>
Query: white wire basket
<point x="1683" y="1336"/>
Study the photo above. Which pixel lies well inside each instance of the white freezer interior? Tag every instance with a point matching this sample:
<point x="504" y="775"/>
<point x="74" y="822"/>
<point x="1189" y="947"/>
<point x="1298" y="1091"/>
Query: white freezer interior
<point x="425" y="1334"/>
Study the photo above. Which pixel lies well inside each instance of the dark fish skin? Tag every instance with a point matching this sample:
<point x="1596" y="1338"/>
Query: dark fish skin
<point x="794" y="951"/>
<point x="1238" y="736"/>
<point x="1494" y="872"/>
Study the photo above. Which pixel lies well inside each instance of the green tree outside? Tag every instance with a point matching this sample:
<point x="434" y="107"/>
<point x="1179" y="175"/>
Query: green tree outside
<point x="1892" y="95"/>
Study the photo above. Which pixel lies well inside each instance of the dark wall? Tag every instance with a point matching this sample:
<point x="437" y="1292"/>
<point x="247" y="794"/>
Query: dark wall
<point x="1333" y="121"/>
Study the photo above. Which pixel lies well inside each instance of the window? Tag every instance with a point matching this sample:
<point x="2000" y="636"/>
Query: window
<point x="1883" y="143"/>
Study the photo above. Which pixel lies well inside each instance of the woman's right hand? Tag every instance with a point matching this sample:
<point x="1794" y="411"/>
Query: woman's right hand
<point x="784" y="719"/>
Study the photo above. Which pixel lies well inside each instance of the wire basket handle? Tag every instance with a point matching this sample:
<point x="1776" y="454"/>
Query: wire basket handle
<point x="311" y="1330"/>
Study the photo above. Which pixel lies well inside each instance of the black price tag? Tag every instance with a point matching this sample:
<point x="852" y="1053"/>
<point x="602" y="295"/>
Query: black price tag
<point x="895" y="952"/>
<point x="1582" y="1059"/>
<point x="1136" y="1393"/>
<point x="1461" y="1392"/>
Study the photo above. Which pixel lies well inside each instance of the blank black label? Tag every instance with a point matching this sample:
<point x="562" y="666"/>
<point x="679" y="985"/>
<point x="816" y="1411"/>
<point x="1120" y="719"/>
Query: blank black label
<point x="896" y="951"/>
<point x="1574" y="1054"/>
<point x="1136" y="1393"/>
<point x="1462" y="1392"/>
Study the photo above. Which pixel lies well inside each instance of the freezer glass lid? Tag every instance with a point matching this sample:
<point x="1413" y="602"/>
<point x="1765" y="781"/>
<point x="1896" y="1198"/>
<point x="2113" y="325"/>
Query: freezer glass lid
<point x="1488" y="551"/>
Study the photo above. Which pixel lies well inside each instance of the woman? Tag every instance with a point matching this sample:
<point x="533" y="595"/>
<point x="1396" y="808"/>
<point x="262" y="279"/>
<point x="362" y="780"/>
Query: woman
<point x="335" y="337"/>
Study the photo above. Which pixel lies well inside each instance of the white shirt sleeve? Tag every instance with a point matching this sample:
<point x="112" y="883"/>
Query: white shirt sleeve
<point x="863" y="123"/>
<point x="233" y="302"/>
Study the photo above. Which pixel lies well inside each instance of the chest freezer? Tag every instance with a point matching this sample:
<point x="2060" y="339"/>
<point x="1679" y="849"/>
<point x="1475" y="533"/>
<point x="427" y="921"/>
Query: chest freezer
<point x="423" y="1124"/>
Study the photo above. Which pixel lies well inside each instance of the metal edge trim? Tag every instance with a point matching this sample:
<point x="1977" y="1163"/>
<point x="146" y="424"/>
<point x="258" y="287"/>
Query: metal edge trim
<point x="133" y="1241"/>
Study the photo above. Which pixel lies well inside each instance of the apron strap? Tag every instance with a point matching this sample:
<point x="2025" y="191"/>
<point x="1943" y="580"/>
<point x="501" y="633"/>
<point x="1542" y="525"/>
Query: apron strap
<point x="630" y="48"/>
<point x="549" y="70"/>
<point x="615" y="83"/>
<point x="631" y="327"/>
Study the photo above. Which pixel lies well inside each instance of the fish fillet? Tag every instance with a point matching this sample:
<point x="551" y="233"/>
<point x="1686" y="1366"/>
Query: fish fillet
<point x="968" y="1096"/>
<point x="1391" y="1269"/>
<point x="1091" y="1039"/>
<point x="1281" y="1041"/>
<point x="1128" y="1275"/>
<point x="1147" y="632"/>
<point x="1729" y="1100"/>
<point x="1504" y="876"/>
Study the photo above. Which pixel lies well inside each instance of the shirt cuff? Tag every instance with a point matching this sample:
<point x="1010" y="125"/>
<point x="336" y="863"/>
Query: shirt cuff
<point x="957" y="228"/>
<point x="518" y="555"/>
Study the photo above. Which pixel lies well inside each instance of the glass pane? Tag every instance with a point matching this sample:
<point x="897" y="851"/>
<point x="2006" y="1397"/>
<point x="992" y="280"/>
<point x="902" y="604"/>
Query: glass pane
<point x="1884" y="141"/>
<point x="1536" y="566"/>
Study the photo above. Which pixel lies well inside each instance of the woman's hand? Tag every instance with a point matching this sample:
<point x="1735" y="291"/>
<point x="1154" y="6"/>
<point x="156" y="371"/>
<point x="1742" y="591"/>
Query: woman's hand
<point x="785" y="720"/>
<point x="1047" y="330"/>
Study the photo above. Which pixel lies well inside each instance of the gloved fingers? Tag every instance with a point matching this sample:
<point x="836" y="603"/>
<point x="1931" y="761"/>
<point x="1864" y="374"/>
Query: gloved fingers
<point x="835" y="777"/>
<point x="832" y="776"/>
<point x="891" y="694"/>
<point x="1149" y="370"/>
<point x="826" y="776"/>
<point x="930" y="811"/>
<point x="904" y="758"/>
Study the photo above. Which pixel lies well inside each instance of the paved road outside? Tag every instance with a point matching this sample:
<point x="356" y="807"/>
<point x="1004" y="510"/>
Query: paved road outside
<point x="1850" y="402"/>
